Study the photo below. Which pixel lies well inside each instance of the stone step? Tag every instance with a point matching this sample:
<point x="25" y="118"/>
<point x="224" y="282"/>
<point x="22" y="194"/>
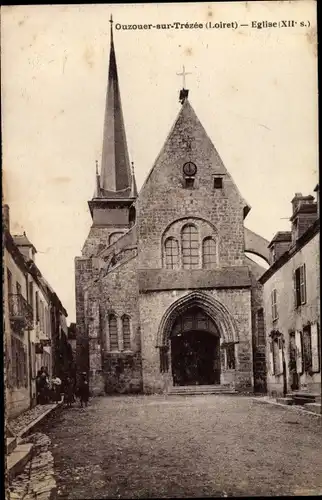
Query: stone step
<point x="285" y="401"/>
<point x="302" y="401"/>
<point x="199" y="387"/>
<point x="309" y="395"/>
<point x="303" y="397"/>
<point x="11" y="444"/>
<point x="17" y="460"/>
<point x="201" y="393"/>
<point x="314" y="407"/>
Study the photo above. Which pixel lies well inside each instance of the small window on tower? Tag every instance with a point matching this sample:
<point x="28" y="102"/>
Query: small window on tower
<point x="189" y="182"/>
<point x="217" y="182"/>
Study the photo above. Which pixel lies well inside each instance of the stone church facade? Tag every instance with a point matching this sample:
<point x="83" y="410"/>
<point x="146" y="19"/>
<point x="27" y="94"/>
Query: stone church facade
<point x="165" y="293"/>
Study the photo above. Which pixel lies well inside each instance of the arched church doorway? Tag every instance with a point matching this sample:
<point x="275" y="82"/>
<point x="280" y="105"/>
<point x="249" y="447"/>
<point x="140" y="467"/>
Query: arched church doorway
<point x="195" y="349"/>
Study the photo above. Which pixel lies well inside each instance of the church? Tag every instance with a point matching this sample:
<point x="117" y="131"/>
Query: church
<point x="166" y="295"/>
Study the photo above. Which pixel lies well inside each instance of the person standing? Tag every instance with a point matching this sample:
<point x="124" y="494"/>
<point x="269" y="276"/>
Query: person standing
<point x="69" y="392"/>
<point x="56" y="382"/>
<point x="42" y="384"/>
<point x="83" y="390"/>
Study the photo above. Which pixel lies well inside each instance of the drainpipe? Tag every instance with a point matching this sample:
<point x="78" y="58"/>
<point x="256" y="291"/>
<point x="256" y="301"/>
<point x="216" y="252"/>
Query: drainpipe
<point x="284" y="367"/>
<point x="29" y="349"/>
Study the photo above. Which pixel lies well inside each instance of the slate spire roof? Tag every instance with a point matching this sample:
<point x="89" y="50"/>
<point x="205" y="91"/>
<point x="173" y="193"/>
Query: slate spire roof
<point x="115" y="172"/>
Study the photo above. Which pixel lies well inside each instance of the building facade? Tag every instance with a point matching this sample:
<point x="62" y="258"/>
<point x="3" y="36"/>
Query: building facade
<point x="34" y="320"/>
<point x="165" y="293"/>
<point x="18" y="324"/>
<point x="292" y="303"/>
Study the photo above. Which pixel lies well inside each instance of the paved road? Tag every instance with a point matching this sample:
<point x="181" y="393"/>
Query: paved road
<point x="145" y="447"/>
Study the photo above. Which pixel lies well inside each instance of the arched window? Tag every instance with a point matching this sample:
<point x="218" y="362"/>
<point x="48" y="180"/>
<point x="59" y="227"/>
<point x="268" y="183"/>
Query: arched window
<point x="171" y="248"/>
<point x="114" y="237"/>
<point x="190" y="247"/>
<point x="112" y="328"/>
<point x="126" y="333"/>
<point x="209" y="253"/>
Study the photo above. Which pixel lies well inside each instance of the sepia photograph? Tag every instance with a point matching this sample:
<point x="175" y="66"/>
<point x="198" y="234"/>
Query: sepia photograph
<point x="161" y="250"/>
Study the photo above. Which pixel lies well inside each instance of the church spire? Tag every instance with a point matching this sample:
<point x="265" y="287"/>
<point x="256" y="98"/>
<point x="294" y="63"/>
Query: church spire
<point x="115" y="166"/>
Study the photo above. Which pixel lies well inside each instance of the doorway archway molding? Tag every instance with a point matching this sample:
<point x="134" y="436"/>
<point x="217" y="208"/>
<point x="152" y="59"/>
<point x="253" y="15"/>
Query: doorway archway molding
<point x="211" y="306"/>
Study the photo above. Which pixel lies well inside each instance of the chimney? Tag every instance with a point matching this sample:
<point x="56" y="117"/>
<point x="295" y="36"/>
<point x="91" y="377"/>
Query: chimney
<point x="304" y="214"/>
<point x="6" y="217"/>
<point x="296" y="200"/>
<point x="279" y="245"/>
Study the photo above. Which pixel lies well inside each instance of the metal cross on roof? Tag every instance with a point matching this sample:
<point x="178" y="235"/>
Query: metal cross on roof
<point x="184" y="74"/>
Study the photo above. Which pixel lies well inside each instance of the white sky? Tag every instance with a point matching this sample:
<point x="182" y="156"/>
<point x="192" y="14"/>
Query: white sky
<point x="255" y="92"/>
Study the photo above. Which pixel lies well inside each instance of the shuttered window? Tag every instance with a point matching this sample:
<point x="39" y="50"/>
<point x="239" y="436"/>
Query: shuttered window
<point x="274" y="304"/>
<point x="300" y="286"/>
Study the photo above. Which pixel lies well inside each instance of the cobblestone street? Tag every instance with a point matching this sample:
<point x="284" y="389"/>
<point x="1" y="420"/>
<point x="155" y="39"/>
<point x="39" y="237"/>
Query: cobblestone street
<point x="140" y="447"/>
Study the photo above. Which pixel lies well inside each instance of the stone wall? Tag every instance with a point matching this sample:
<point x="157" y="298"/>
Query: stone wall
<point x="164" y="198"/>
<point x="83" y="276"/>
<point x="152" y="308"/>
<point x="115" y="293"/>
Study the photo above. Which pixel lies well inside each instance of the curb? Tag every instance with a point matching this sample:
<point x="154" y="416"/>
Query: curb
<point x="24" y="432"/>
<point x="289" y="407"/>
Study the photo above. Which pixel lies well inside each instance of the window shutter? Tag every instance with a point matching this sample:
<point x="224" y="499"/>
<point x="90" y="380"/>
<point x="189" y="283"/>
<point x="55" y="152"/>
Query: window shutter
<point x="303" y="298"/>
<point x="294" y="289"/>
<point x="315" y="348"/>
<point x="280" y="355"/>
<point x="271" y="358"/>
<point x="299" y="357"/>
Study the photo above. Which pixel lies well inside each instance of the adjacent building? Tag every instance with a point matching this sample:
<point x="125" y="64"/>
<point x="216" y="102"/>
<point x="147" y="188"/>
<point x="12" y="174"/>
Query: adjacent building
<point x="18" y="324"/>
<point x="34" y="322"/>
<point x="165" y="292"/>
<point x="292" y="302"/>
